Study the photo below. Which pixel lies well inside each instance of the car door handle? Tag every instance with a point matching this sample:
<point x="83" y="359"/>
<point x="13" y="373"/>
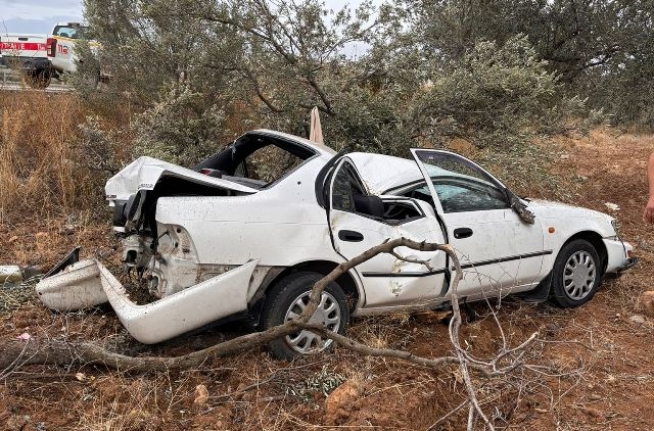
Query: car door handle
<point x="350" y="235"/>
<point x="462" y="232"/>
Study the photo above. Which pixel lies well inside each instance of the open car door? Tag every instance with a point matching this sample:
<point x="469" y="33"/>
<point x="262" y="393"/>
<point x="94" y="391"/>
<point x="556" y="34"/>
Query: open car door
<point x="497" y="249"/>
<point x="359" y="221"/>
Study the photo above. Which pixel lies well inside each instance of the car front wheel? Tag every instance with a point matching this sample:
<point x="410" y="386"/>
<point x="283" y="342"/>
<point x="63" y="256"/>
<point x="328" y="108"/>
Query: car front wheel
<point x="576" y="274"/>
<point x="287" y="301"/>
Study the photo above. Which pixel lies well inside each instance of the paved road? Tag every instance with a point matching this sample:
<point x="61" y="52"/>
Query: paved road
<point x="18" y="86"/>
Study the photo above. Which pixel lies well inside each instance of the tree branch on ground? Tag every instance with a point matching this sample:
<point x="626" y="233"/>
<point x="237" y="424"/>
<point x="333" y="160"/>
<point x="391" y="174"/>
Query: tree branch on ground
<point x="17" y="353"/>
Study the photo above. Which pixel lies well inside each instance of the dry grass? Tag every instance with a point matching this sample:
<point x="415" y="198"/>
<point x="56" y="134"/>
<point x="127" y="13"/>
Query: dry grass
<point x="604" y="380"/>
<point x="40" y="172"/>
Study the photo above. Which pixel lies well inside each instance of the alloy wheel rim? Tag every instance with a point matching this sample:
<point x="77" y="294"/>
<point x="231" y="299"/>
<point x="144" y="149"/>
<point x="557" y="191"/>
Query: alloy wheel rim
<point x="327" y="314"/>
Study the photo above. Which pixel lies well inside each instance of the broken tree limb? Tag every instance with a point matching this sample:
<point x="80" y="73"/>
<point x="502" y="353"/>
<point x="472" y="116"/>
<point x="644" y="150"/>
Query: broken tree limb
<point x="17" y="353"/>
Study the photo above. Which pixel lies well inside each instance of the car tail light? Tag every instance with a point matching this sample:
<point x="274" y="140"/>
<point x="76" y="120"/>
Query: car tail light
<point x="51" y="46"/>
<point x="205" y="171"/>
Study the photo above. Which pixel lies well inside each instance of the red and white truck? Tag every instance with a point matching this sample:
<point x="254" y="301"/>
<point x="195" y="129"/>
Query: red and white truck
<point x="42" y="57"/>
<point x="28" y="53"/>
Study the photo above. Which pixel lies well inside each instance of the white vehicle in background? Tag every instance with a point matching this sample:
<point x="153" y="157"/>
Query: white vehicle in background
<point x="27" y="52"/>
<point x="41" y="58"/>
<point x="61" y="49"/>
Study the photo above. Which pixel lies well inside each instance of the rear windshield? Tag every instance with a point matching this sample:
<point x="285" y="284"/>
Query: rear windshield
<point x="70" y="31"/>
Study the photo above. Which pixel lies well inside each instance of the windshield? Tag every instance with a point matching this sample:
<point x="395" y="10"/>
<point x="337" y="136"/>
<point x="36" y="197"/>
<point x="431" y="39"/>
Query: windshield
<point x="69" y="31"/>
<point x="459" y="184"/>
<point x="440" y="164"/>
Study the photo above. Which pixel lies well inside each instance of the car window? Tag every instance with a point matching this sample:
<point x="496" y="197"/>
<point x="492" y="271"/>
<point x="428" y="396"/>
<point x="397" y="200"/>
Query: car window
<point x="256" y="161"/>
<point x="460" y="185"/>
<point x="463" y="197"/>
<point x="268" y="164"/>
<point x="344" y="188"/>
<point x="349" y="194"/>
<point x="68" y="31"/>
<point x="448" y="165"/>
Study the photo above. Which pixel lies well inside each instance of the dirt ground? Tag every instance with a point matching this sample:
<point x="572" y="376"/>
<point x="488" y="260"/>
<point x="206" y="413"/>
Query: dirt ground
<point x="592" y="369"/>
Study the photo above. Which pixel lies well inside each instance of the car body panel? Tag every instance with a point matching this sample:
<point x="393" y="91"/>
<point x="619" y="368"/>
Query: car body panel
<point x="183" y="311"/>
<point x="88" y="283"/>
<point x="145" y="172"/>
<point x="498" y="250"/>
<point x="75" y="288"/>
<point x="209" y="255"/>
<point x="388" y="280"/>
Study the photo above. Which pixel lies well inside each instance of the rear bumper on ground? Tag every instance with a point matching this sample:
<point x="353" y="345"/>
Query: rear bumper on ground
<point x="88" y="283"/>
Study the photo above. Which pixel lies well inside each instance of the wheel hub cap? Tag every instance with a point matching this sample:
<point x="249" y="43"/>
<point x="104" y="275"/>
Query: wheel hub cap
<point x="579" y="275"/>
<point x="328" y="314"/>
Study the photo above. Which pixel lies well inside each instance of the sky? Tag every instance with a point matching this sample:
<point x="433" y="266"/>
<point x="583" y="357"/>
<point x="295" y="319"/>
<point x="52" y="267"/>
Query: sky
<point x="39" y="16"/>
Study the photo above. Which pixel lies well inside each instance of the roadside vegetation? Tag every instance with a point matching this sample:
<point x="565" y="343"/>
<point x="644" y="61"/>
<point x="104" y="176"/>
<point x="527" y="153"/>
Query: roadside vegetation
<point x="553" y="96"/>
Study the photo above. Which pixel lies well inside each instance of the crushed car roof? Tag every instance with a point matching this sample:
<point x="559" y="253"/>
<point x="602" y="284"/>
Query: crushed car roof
<point x="382" y="173"/>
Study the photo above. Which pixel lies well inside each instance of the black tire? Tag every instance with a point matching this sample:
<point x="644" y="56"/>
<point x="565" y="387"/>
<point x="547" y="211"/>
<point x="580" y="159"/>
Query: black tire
<point x="289" y="291"/>
<point x="576" y="274"/>
<point x="39" y="79"/>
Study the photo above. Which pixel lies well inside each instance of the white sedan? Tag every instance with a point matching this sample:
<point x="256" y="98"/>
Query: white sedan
<point x="247" y="232"/>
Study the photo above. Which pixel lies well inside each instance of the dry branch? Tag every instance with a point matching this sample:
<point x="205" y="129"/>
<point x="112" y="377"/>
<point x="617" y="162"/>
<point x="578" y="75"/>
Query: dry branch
<point x="18" y="353"/>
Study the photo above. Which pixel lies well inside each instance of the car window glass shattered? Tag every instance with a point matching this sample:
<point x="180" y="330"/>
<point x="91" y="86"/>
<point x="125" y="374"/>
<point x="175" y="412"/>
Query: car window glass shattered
<point x="461" y="186"/>
<point x="461" y="198"/>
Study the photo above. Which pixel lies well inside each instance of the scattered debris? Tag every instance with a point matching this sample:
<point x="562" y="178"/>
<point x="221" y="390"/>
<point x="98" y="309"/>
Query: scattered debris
<point x="201" y="396"/>
<point x="13" y="295"/>
<point x="24" y="336"/>
<point x="612" y="207"/>
<point x="323" y="382"/>
<point x="646" y="303"/>
<point x="637" y="318"/>
<point x="10" y="274"/>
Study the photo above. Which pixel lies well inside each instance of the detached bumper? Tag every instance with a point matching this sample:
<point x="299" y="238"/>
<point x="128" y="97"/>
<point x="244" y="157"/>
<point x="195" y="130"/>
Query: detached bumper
<point x="619" y="257"/>
<point x="88" y="283"/>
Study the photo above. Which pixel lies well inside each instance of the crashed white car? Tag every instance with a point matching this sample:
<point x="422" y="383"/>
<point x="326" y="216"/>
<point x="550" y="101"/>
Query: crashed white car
<point x="237" y="239"/>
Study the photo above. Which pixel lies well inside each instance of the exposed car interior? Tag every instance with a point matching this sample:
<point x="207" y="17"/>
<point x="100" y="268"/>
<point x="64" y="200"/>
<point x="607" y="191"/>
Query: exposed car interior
<point x="349" y="194"/>
<point x="247" y="160"/>
<point x="243" y="162"/>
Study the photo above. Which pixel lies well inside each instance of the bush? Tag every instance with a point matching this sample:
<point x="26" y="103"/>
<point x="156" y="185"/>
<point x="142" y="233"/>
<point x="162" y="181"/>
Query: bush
<point x="183" y="128"/>
<point x="493" y="90"/>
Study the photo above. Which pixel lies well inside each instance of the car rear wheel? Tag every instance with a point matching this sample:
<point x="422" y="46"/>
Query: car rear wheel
<point x="287" y="301"/>
<point x="39" y="79"/>
<point x="576" y="274"/>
